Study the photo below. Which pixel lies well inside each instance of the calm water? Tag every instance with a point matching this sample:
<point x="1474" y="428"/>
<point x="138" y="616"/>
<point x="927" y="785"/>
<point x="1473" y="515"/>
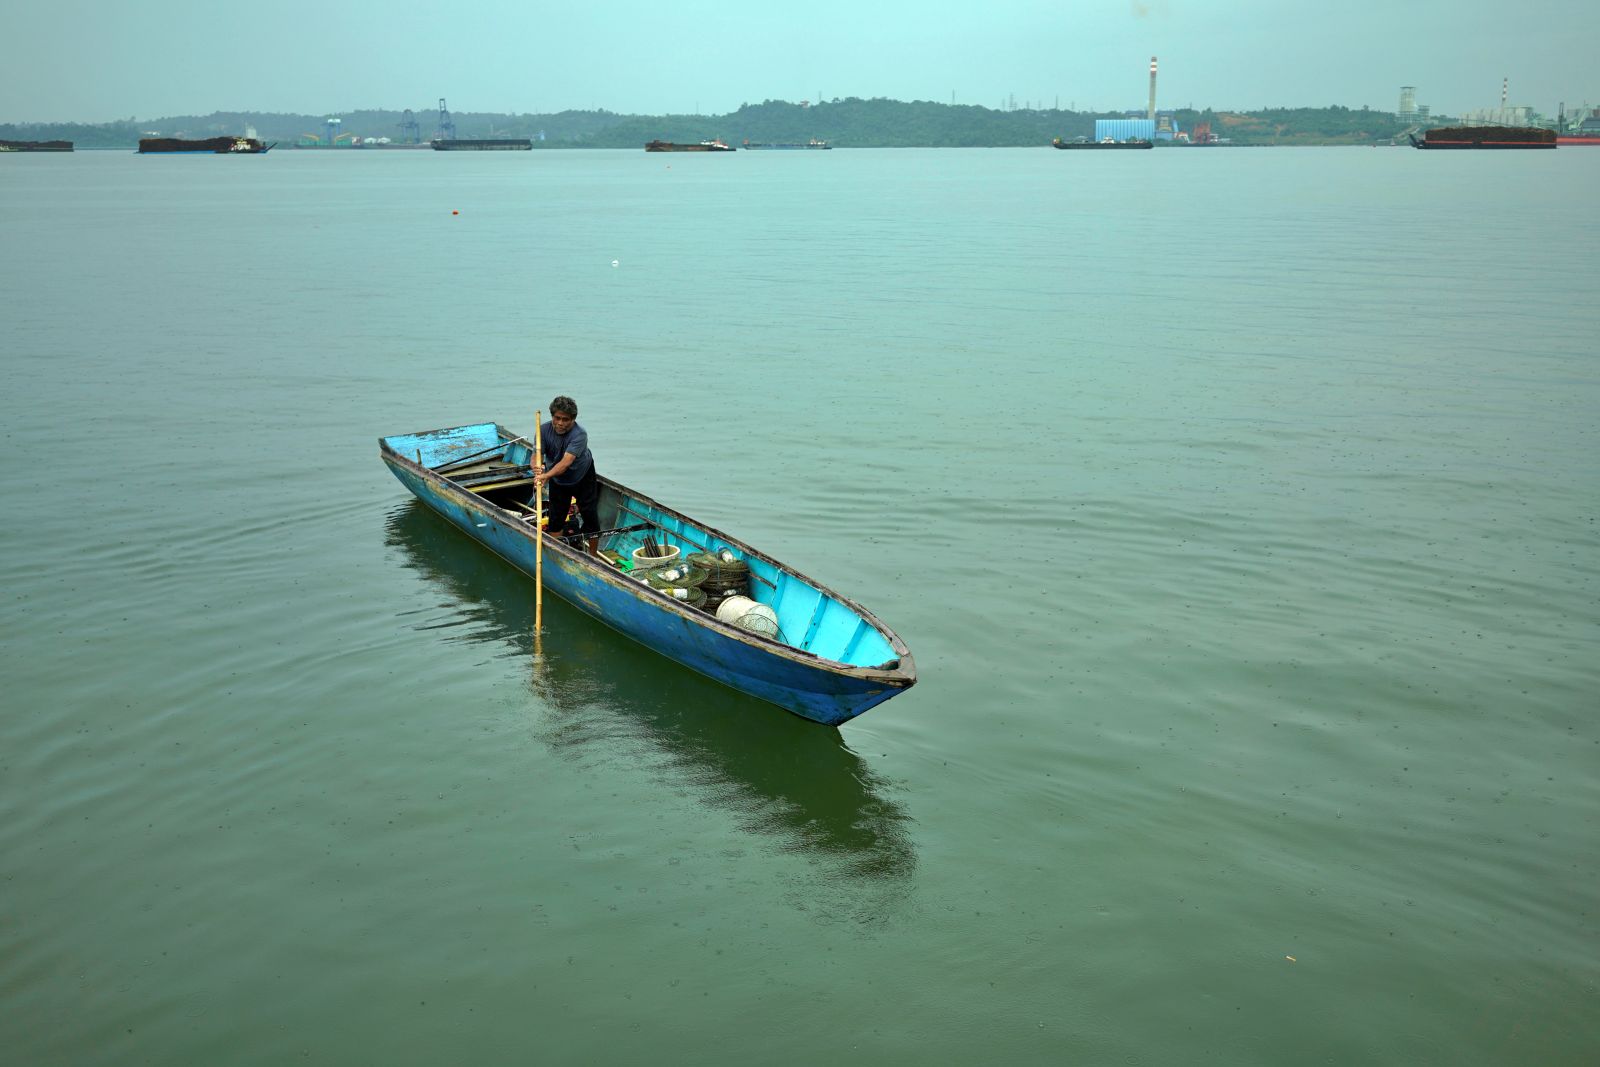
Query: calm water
<point x="1239" y="507"/>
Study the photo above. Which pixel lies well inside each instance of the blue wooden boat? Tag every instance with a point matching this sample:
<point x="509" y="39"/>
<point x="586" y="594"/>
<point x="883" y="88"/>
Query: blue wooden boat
<point x="830" y="661"/>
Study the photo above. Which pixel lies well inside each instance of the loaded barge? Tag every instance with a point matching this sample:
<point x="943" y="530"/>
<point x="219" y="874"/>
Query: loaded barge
<point x="1457" y="137"/>
<point x="35" y="146"/>
<point x="810" y="145"/>
<point x="487" y="144"/>
<point x="703" y="146"/>
<point x="1084" y="143"/>
<point x="216" y="146"/>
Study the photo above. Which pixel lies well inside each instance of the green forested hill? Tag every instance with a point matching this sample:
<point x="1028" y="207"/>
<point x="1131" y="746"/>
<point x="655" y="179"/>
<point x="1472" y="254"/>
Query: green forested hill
<point x="847" y="123"/>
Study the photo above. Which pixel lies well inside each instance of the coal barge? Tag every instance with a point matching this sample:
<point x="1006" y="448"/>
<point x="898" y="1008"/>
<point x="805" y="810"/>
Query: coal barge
<point x="811" y="145"/>
<point x="35" y="146"/>
<point x="216" y="146"/>
<point x="1059" y="143"/>
<point x="496" y="144"/>
<point x="1458" y="137"/>
<point x="703" y="146"/>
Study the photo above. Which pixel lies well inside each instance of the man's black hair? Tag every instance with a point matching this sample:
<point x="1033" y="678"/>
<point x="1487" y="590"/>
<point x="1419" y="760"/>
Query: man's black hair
<point x="564" y="404"/>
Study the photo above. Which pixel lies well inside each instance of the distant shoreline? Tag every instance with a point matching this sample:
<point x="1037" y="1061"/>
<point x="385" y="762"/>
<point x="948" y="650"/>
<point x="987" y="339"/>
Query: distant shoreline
<point x="848" y="123"/>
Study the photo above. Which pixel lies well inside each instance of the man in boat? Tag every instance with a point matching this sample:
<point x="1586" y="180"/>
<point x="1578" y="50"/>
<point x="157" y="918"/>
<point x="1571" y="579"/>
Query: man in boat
<point x="569" y="469"/>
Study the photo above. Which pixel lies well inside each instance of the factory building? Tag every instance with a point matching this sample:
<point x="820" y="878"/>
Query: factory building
<point x="1411" y="113"/>
<point x="1498" y="116"/>
<point x="1146" y="125"/>
<point x="1124" y="129"/>
<point x="1164" y="127"/>
<point x="1504" y="115"/>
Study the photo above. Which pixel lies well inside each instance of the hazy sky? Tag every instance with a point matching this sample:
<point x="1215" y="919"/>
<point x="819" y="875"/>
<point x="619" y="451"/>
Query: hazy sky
<point x="96" y="60"/>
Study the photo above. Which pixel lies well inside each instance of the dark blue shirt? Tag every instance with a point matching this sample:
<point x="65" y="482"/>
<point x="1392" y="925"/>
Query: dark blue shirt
<point x="556" y="445"/>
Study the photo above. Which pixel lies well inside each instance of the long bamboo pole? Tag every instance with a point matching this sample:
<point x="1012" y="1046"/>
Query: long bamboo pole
<point x="538" y="526"/>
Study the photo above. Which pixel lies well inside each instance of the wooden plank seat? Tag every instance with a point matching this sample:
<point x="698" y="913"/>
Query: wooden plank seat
<point x="484" y="487"/>
<point x="481" y="480"/>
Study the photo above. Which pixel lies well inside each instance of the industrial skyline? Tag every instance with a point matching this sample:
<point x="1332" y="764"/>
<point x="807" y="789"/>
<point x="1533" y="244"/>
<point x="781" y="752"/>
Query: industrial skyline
<point x="169" y="57"/>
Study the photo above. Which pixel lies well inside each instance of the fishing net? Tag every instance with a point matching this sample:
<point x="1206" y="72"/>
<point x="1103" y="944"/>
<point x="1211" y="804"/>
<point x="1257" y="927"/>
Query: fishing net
<point x="695" y="598"/>
<point x="749" y="615"/>
<point x="725" y="575"/>
<point x="722" y="564"/>
<point x="676" y="576"/>
<point x="683" y="583"/>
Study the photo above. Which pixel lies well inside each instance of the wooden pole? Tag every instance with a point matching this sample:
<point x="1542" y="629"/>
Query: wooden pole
<point x="538" y="526"/>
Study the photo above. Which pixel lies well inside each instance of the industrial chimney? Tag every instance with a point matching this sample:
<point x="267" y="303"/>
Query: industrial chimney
<point x="1152" y="115"/>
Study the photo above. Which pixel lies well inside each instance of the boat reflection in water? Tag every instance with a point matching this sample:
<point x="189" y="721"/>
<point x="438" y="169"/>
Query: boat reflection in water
<point x="602" y="694"/>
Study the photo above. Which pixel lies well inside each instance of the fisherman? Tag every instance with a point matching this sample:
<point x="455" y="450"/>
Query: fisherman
<point x="569" y="469"/>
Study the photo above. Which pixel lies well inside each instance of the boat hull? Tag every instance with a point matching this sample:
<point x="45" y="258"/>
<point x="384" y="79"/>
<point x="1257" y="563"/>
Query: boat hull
<point x="807" y="685"/>
<point x="1486" y="145"/>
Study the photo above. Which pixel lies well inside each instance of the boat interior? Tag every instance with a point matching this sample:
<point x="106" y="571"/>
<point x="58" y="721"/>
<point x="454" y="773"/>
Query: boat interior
<point x="636" y="534"/>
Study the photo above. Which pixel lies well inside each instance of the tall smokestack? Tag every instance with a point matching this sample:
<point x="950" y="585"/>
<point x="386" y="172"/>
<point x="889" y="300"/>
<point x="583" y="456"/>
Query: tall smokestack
<point x="1505" y="83"/>
<point x="1152" y="115"/>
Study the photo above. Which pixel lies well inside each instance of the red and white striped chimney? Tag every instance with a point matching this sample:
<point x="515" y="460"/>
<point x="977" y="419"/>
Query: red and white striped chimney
<point x="1152" y="115"/>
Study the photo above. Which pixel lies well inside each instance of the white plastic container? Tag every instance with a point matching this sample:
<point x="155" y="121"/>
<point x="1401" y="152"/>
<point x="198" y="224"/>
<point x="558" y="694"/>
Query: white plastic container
<point x="643" y="562"/>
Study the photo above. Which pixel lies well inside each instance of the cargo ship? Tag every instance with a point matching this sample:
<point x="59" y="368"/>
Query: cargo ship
<point x="486" y="144"/>
<point x="1455" y="137"/>
<point x="217" y="146"/>
<point x="1083" y="142"/>
<point x="787" y="146"/>
<point x="703" y="146"/>
<point x="35" y="146"/>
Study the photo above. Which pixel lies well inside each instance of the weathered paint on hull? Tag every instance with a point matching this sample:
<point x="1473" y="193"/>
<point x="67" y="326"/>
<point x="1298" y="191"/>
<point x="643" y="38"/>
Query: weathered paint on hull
<point x="809" y="689"/>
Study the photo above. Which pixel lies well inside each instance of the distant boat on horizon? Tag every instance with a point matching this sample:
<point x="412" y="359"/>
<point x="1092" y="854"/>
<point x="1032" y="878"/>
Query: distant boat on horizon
<point x="216" y="146"/>
<point x="1469" y="137"/>
<point x="484" y="144"/>
<point x="812" y="144"/>
<point x="1085" y="143"/>
<point x="35" y="146"/>
<point x="703" y="146"/>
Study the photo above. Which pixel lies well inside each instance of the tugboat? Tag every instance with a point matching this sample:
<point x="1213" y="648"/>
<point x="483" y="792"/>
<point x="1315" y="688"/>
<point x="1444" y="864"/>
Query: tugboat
<point x="216" y="146"/>
<point x="703" y="146"/>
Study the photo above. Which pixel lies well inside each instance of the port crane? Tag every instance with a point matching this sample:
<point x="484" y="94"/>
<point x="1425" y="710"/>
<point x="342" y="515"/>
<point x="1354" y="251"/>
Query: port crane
<point x="447" y="128"/>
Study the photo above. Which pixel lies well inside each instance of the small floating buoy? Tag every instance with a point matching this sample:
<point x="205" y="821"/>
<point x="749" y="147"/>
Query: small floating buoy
<point x="455" y="212"/>
<point x="613" y="263"/>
